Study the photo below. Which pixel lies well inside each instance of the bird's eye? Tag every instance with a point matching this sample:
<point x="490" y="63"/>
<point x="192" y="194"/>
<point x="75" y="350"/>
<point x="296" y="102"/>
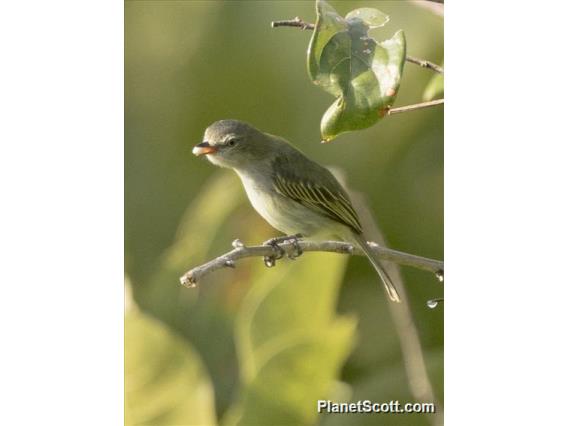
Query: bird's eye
<point x="232" y="142"/>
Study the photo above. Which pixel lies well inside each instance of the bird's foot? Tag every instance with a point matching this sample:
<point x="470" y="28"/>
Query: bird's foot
<point x="294" y="239"/>
<point x="270" y="261"/>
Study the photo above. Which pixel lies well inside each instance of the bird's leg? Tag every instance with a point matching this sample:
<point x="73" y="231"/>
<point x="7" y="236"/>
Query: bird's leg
<point x="270" y="261"/>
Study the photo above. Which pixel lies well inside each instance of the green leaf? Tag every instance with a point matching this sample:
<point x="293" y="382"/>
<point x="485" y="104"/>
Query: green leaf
<point x="434" y="88"/>
<point x="374" y="18"/>
<point x="290" y="340"/>
<point x="165" y="382"/>
<point x="201" y="235"/>
<point x="346" y="62"/>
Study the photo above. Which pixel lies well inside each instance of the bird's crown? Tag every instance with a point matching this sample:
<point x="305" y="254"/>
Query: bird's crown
<point x="219" y="130"/>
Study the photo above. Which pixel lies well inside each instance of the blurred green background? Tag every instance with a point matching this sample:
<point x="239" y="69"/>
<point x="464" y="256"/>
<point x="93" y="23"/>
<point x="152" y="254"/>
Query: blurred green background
<point x="253" y="345"/>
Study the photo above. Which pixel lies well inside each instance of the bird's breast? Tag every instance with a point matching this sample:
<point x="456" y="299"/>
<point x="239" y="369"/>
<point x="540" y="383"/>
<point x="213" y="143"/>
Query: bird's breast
<point x="281" y="212"/>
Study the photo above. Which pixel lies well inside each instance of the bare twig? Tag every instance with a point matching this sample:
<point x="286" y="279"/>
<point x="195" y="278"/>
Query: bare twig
<point x="191" y="277"/>
<point x="425" y="64"/>
<point x="413" y="107"/>
<point x="297" y="22"/>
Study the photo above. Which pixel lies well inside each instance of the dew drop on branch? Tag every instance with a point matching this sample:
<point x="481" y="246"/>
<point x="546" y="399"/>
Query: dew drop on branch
<point x="433" y="303"/>
<point x="269" y="261"/>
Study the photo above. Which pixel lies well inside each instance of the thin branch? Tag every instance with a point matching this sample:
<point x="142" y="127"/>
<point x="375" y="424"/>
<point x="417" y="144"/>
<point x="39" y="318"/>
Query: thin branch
<point x="425" y="64"/>
<point x="191" y="277"/>
<point x="297" y="22"/>
<point x="413" y="107"/>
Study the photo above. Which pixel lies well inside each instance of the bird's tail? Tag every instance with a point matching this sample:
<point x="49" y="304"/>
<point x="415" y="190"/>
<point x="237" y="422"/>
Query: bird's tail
<point x="374" y="259"/>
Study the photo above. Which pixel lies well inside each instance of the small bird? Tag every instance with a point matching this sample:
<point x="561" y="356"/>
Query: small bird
<point x="291" y="192"/>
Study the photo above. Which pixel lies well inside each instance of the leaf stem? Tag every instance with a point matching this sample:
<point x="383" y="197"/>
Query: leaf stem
<point x="415" y="106"/>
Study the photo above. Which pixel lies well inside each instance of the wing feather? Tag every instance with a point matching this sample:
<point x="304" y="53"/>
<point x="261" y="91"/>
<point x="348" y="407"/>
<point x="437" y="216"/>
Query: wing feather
<point x="345" y="206"/>
<point x="330" y="202"/>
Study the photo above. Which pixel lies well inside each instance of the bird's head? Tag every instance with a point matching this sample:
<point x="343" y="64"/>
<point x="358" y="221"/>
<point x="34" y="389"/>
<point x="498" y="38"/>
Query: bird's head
<point x="233" y="144"/>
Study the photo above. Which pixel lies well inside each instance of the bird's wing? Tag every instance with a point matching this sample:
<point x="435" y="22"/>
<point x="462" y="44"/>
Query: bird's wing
<point x="314" y="186"/>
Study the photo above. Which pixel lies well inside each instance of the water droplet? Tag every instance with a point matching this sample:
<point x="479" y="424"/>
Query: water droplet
<point x="433" y="303"/>
<point x="440" y="275"/>
<point x="230" y="263"/>
<point x="269" y="261"/>
<point x="237" y="243"/>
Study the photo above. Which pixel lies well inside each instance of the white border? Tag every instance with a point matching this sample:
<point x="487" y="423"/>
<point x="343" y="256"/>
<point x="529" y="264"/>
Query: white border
<point x="61" y="168"/>
<point x="506" y="213"/>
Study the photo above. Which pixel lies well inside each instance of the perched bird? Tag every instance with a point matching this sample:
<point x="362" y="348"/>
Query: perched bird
<point x="291" y="192"/>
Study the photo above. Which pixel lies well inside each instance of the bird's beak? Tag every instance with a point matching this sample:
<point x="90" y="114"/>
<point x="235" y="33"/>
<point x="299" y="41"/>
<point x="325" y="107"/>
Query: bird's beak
<point x="203" y="149"/>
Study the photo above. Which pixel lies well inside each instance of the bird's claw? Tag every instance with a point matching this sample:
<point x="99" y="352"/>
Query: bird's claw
<point x="270" y="261"/>
<point x="297" y="249"/>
